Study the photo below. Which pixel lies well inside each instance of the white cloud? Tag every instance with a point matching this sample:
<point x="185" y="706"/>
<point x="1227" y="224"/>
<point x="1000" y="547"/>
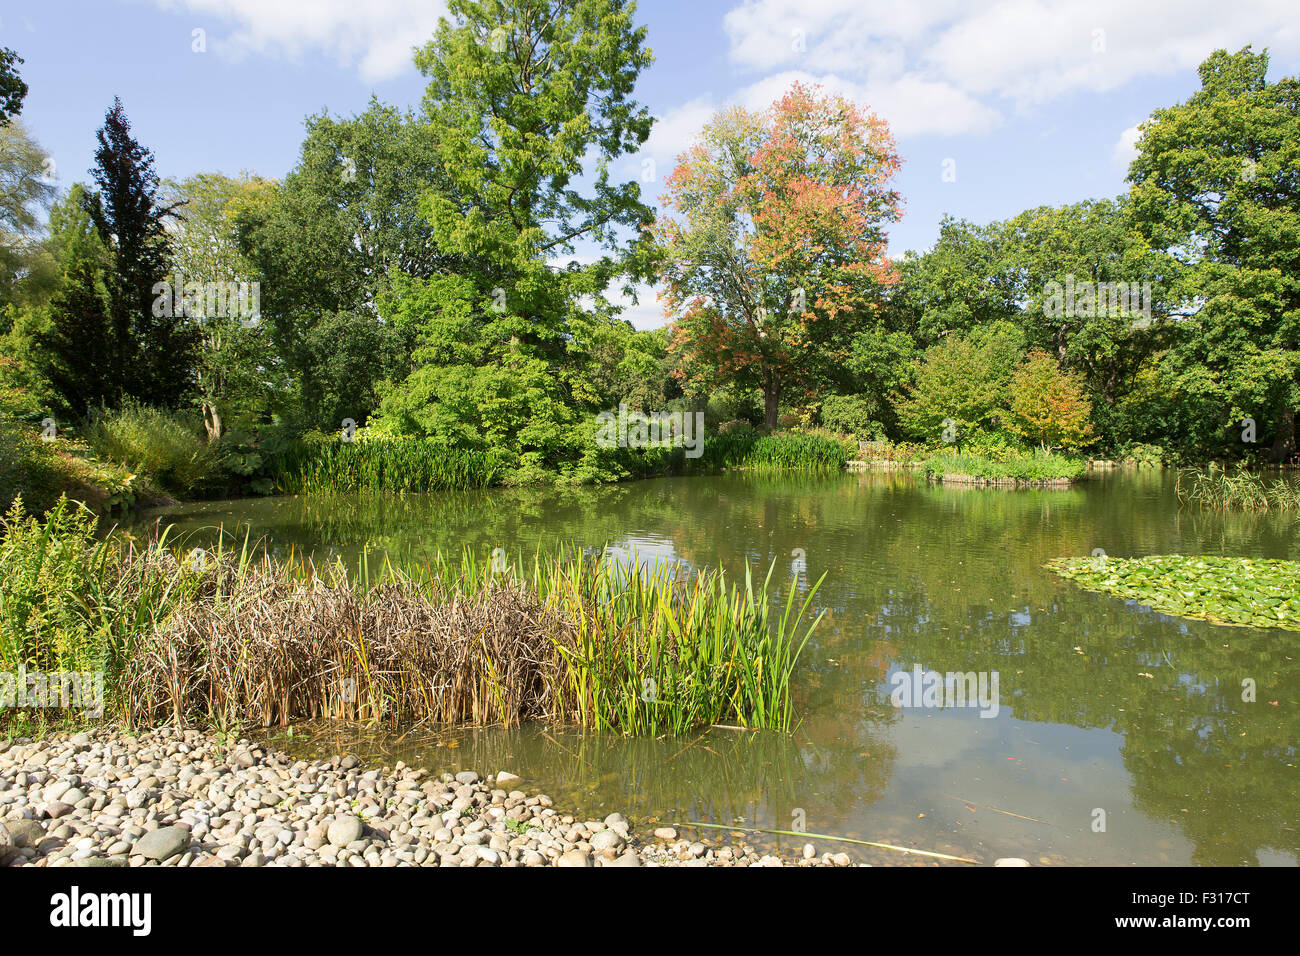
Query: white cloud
<point x="376" y="36"/>
<point x="912" y="105"/>
<point x="936" y="65"/>
<point x="1125" y="150"/>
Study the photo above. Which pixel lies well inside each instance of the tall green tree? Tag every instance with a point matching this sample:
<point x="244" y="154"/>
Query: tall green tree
<point x="237" y="372"/>
<point x="1215" y="186"/>
<point x="69" y="344"/>
<point x="25" y="193"/>
<point x="152" y="353"/>
<point x="326" y="245"/>
<point x="529" y="103"/>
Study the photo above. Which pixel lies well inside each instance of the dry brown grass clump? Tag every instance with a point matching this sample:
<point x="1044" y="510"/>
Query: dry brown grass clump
<point x="263" y="649"/>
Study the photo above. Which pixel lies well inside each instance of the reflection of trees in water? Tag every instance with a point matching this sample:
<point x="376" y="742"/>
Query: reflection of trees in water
<point x="916" y="573"/>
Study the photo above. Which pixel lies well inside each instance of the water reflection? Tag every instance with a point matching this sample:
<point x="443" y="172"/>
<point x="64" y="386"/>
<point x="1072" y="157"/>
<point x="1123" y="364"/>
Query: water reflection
<point x="1103" y="705"/>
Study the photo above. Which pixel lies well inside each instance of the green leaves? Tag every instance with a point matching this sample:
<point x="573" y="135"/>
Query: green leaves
<point x="1254" y="592"/>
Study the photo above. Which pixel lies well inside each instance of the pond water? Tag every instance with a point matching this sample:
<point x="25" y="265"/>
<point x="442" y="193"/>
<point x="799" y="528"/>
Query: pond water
<point x="1120" y="737"/>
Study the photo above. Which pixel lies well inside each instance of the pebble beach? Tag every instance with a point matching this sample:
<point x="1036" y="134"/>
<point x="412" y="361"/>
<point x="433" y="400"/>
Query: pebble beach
<point x="173" y="797"/>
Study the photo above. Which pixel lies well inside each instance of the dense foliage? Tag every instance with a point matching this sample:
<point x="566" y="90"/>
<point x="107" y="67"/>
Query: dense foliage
<point x="443" y="284"/>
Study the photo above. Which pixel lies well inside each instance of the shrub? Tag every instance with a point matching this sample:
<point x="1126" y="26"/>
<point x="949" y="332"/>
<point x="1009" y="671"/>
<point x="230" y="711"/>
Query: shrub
<point x="854" y="415"/>
<point x="1048" y="404"/>
<point x="166" y="446"/>
<point x="28" y="467"/>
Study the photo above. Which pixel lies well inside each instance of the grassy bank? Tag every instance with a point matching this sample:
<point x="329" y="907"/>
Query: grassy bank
<point x="1008" y="467"/>
<point x="1241" y="591"/>
<point x="233" y="637"/>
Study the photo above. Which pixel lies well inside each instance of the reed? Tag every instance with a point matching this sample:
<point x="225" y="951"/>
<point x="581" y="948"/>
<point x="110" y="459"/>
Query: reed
<point x="780" y="451"/>
<point x="1237" y="490"/>
<point x="387" y="465"/>
<point x="232" y="636"/>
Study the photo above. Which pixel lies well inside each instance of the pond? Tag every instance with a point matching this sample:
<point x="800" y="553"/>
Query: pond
<point x="1120" y="736"/>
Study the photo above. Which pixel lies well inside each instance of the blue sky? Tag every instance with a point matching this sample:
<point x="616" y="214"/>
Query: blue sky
<point x="1033" y="101"/>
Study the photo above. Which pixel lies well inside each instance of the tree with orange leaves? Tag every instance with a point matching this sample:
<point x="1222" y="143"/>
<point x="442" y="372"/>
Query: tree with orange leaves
<point x="773" y="235"/>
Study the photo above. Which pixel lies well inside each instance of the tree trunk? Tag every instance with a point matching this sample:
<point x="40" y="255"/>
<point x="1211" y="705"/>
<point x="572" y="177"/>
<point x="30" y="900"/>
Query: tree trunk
<point x="211" y="422"/>
<point x="1284" y="444"/>
<point x="771" y="399"/>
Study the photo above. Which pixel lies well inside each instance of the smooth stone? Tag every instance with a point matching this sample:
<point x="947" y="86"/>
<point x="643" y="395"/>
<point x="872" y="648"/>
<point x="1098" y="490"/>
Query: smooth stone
<point x="1010" y="861"/>
<point x="344" y="830"/>
<point x="574" y="858"/>
<point x="607" y="840"/>
<point x="163" y="843"/>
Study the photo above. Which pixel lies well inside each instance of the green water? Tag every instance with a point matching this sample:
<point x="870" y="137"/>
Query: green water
<point x="1103" y="706"/>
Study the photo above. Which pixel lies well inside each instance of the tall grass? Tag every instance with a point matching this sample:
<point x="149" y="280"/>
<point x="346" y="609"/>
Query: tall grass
<point x="780" y="451"/>
<point x="1007" y="467"/>
<point x="73" y="603"/>
<point x="381" y="465"/>
<point x="233" y="636"/>
<point x="1238" y="490"/>
<point x="164" y="445"/>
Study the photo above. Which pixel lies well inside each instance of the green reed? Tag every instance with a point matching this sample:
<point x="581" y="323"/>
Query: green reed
<point x="780" y="451"/>
<point x="382" y="465"/>
<point x="1237" y="490"/>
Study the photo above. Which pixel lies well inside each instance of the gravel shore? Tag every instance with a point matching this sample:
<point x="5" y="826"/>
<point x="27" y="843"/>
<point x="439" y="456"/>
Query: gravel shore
<point x="186" y="798"/>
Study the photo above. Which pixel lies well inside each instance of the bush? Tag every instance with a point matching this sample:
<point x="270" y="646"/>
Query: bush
<point x="855" y="415"/>
<point x="165" y="446"/>
<point x="779" y="451"/>
<point x="28" y="467"/>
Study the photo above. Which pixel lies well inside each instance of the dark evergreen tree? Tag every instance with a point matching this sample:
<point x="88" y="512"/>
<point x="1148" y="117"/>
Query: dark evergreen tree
<point x="152" y="356"/>
<point x="73" y="347"/>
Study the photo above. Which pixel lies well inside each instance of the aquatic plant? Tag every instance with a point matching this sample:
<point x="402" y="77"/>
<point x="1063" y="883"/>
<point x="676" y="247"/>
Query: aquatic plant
<point x="1253" y="592"/>
<point x="234" y="636"/>
<point x="387" y="465"/>
<point x="1237" y="490"/>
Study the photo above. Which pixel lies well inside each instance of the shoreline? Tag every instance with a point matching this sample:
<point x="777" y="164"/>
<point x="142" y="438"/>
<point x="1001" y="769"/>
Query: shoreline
<point x="171" y="797"/>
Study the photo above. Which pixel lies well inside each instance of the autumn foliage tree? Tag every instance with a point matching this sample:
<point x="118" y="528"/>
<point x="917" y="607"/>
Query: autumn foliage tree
<point x="773" y="234"/>
<point x="1049" y="404"/>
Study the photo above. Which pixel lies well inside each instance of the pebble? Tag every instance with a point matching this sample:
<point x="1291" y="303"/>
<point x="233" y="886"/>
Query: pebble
<point x="173" y="797"/>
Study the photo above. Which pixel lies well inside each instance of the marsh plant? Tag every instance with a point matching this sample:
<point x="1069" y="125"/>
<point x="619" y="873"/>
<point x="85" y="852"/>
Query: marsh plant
<point x="232" y="635"/>
<point x="1237" y="490"/>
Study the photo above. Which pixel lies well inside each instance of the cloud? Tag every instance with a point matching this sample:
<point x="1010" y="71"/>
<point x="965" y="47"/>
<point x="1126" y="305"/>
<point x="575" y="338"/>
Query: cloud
<point x="1125" y="150"/>
<point x="912" y="106"/>
<point x="945" y="67"/>
<point x="376" y="36"/>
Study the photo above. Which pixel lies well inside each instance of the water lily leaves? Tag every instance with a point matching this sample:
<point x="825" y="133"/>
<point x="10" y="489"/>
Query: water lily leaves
<point x="1248" y="592"/>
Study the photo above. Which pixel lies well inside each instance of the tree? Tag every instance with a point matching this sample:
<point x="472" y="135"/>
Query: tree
<point x="12" y="88"/>
<point x="964" y="281"/>
<point x="330" y="239"/>
<point x="773" y="234"/>
<point x="151" y="354"/>
<point x="1048" y="404"/>
<point x="524" y="96"/>
<point x="962" y="385"/>
<point x="25" y="191"/>
<point x="237" y="372"/>
<point x="70" y="344"/>
<point x="1214" y="186"/>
